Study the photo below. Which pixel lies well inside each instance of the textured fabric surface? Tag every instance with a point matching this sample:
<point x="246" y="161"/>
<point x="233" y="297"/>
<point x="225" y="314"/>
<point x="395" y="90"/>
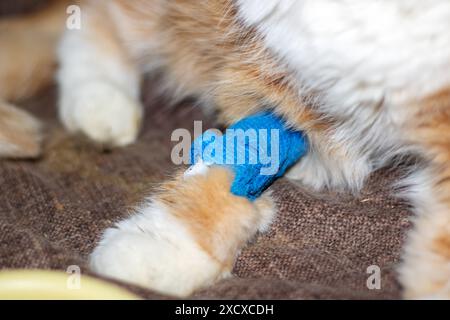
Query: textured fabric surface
<point x="53" y="210"/>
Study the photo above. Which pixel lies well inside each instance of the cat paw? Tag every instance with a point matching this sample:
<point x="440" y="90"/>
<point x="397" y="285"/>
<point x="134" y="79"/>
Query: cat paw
<point x="103" y="113"/>
<point x="153" y="250"/>
<point x="20" y="133"/>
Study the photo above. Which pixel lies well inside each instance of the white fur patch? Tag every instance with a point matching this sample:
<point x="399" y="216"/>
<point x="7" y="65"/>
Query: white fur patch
<point x="103" y="112"/>
<point x="359" y="52"/>
<point x="365" y="60"/>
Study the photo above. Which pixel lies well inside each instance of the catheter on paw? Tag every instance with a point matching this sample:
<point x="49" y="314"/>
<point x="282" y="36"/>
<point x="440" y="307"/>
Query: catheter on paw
<point x="258" y="149"/>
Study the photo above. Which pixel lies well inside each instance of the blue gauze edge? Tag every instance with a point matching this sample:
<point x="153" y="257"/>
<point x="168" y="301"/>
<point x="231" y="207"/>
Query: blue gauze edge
<point x="248" y="181"/>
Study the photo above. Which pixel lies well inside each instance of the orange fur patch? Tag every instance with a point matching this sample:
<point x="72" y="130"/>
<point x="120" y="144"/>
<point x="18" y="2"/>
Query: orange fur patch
<point x="28" y="50"/>
<point x="220" y="222"/>
<point x="442" y="245"/>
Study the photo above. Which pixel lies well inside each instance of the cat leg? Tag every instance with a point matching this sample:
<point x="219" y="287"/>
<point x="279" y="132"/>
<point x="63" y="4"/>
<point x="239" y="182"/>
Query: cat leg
<point x="27" y="63"/>
<point x="27" y="55"/>
<point x="20" y="133"/>
<point x="99" y="82"/>
<point x="185" y="237"/>
<point x="327" y="167"/>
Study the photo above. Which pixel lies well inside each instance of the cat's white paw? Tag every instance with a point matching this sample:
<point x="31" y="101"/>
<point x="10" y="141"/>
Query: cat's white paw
<point x="102" y="112"/>
<point x="153" y="250"/>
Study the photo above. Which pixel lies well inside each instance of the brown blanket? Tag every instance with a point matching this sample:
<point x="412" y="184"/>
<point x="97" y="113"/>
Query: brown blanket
<point x="53" y="210"/>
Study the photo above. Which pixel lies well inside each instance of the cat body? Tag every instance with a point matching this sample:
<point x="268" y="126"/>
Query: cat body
<point x="366" y="82"/>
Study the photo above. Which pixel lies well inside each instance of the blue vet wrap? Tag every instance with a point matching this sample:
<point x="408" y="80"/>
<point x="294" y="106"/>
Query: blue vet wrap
<point x="259" y="149"/>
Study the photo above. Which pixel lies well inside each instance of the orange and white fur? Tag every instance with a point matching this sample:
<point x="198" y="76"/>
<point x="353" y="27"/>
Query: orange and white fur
<point x="366" y="80"/>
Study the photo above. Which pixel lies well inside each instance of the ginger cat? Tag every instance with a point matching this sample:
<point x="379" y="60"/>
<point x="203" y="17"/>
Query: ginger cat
<point x="366" y="81"/>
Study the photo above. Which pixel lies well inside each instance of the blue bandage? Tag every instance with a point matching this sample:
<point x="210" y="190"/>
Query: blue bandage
<point x="259" y="149"/>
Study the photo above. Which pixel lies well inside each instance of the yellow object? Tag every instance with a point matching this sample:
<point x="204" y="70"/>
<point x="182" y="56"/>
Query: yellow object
<point x="56" y="285"/>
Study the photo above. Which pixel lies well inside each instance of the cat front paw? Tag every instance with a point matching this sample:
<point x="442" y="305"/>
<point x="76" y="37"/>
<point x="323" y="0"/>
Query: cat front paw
<point x="102" y="112"/>
<point x="185" y="237"/>
<point x="153" y="250"/>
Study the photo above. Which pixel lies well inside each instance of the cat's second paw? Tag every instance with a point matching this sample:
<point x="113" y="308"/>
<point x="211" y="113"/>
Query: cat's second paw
<point x="102" y="112"/>
<point x="20" y="133"/>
